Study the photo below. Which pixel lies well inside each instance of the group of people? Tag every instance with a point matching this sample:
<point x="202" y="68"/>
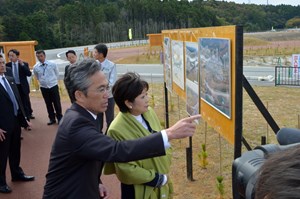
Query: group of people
<point x="76" y="163"/>
<point x="145" y="178"/>
<point x="139" y="152"/>
<point x="136" y="148"/>
<point x="13" y="115"/>
<point x="80" y="148"/>
<point x="16" y="110"/>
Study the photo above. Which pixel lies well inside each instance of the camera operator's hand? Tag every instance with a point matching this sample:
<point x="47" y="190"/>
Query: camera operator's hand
<point x="183" y="128"/>
<point x="2" y="135"/>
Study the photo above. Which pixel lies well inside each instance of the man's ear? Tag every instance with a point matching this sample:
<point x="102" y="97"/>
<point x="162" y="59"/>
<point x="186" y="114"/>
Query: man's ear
<point x="79" y="96"/>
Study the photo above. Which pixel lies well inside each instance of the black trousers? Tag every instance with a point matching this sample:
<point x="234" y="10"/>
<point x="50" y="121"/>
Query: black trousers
<point x="127" y="191"/>
<point x="10" y="149"/>
<point x="25" y="101"/>
<point x="110" y="111"/>
<point x="52" y="100"/>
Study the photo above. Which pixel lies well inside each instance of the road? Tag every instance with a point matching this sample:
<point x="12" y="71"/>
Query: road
<point x="260" y="75"/>
<point x="256" y="75"/>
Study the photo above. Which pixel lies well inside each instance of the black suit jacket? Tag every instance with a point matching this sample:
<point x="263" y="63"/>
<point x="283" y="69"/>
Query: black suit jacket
<point x="24" y="72"/>
<point x="78" y="150"/>
<point x="66" y="70"/>
<point x="7" y="108"/>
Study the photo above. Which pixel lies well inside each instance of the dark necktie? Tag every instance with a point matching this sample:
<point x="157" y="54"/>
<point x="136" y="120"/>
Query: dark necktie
<point x="11" y="95"/>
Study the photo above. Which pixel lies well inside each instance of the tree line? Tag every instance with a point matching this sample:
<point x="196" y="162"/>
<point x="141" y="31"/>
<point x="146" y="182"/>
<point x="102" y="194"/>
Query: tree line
<point x="63" y="23"/>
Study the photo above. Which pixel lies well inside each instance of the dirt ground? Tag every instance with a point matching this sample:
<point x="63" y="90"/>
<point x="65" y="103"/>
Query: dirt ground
<point x="36" y="147"/>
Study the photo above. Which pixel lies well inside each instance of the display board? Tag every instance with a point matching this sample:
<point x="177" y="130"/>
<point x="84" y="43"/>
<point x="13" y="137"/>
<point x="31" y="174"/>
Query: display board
<point x="215" y="73"/>
<point x="26" y="49"/>
<point x="167" y="63"/>
<point x="154" y="39"/>
<point x="216" y="67"/>
<point x="177" y="63"/>
<point x="192" y="78"/>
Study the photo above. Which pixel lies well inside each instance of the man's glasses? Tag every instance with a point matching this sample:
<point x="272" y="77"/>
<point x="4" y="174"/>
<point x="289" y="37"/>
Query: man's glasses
<point x="102" y="89"/>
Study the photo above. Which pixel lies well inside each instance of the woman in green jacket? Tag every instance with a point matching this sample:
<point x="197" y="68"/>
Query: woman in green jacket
<point x="143" y="179"/>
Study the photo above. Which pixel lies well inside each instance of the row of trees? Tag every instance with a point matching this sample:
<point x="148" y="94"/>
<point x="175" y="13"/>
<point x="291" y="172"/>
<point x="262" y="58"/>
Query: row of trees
<point x="62" y="23"/>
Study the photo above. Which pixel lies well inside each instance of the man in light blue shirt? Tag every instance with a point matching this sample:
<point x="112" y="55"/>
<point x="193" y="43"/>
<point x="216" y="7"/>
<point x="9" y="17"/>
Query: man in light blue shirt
<point x="46" y="73"/>
<point x="110" y="70"/>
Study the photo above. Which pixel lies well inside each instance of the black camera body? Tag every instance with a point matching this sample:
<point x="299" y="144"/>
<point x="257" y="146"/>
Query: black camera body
<point x="245" y="169"/>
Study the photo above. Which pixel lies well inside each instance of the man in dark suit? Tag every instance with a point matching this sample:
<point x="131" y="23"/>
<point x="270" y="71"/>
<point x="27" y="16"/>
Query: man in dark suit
<point x="72" y="58"/>
<point x="19" y="70"/>
<point x="79" y="148"/>
<point x="12" y="117"/>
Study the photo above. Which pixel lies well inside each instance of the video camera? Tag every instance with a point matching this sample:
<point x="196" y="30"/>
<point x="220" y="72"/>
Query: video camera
<point x="245" y="168"/>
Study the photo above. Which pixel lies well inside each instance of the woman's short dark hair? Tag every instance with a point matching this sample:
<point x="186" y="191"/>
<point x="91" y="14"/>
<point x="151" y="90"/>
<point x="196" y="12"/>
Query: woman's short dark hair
<point x="128" y="87"/>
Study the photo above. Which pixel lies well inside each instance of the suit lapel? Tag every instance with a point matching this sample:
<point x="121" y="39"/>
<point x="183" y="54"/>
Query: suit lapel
<point x="9" y="64"/>
<point x="82" y="111"/>
<point x="85" y="113"/>
<point x="9" y="69"/>
<point x="14" y="89"/>
<point x="4" y="92"/>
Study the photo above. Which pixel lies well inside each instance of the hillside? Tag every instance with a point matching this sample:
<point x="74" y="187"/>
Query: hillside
<point x="60" y="23"/>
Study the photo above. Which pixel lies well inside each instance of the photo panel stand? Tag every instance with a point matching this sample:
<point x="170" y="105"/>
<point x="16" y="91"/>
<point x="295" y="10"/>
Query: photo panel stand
<point x="223" y="48"/>
<point x="226" y="119"/>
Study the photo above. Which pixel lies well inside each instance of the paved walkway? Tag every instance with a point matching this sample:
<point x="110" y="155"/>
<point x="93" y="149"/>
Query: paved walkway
<point x="36" y="147"/>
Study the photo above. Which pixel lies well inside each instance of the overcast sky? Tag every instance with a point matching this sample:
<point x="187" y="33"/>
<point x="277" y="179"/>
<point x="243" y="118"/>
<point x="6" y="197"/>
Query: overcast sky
<point x="273" y="2"/>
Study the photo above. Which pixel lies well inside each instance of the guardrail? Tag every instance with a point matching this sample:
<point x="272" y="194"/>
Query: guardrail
<point x="127" y="43"/>
<point x="121" y="44"/>
<point x="287" y="75"/>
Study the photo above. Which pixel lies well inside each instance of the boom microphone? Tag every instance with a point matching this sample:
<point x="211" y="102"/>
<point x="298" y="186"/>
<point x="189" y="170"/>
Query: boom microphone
<point x="286" y="136"/>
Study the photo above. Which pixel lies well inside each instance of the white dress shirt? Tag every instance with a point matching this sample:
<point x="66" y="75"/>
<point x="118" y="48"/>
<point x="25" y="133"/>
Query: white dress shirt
<point x="163" y="132"/>
<point x="46" y="73"/>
